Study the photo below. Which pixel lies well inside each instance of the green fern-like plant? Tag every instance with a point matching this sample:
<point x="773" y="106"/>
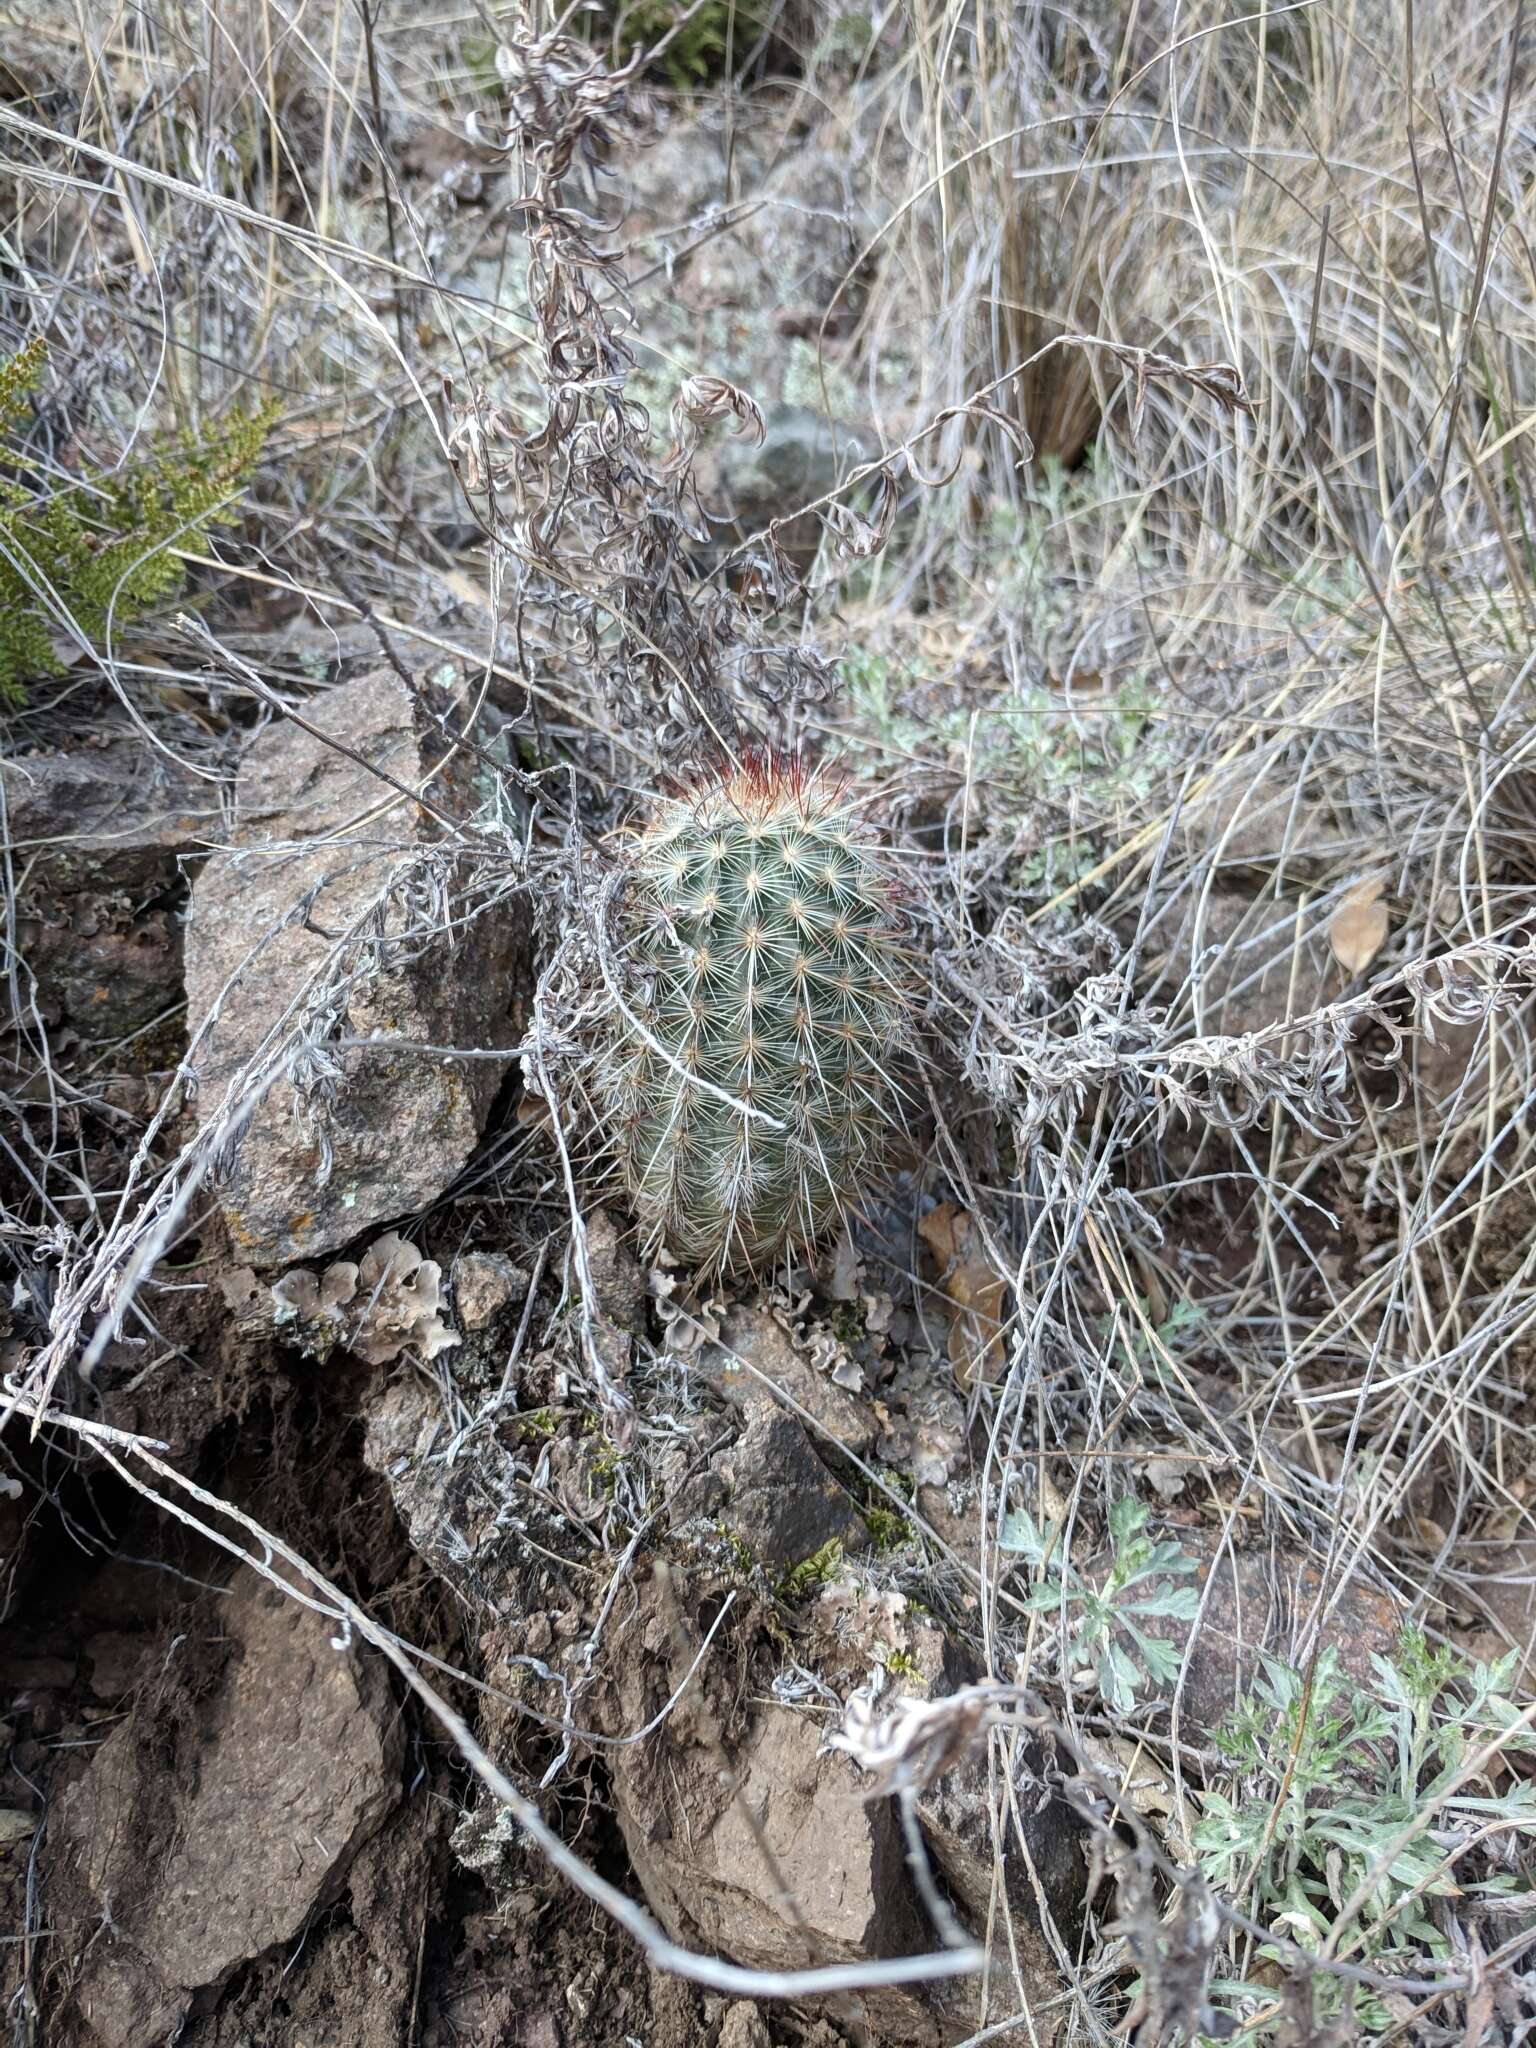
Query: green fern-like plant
<point x="752" y="1070"/>
<point x="99" y="552"/>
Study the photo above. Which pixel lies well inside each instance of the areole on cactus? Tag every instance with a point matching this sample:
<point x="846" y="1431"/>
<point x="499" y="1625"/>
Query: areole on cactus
<point x="752" y="1073"/>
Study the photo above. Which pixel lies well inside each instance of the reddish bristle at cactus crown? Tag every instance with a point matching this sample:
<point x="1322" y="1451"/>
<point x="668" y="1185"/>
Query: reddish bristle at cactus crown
<point x="753" y="1084"/>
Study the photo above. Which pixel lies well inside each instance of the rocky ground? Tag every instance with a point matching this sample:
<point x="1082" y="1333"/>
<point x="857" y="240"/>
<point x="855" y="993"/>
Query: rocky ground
<point x="377" y="1483"/>
<point x="223" y="1820"/>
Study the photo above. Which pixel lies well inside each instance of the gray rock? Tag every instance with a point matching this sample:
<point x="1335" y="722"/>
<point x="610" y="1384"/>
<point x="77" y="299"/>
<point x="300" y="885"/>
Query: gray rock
<point x="198" y="1868"/>
<point x="452" y="1505"/>
<point x="744" y="2027"/>
<point x="745" y="240"/>
<point x="96" y="836"/>
<point x="485" y="1283"/>
<point x="784" y="1504"/>
<point x="437" y="1498"/>
<point x="802" y="456"/>
<point x="617" y="1276"/>
<point x="319" y="838"/>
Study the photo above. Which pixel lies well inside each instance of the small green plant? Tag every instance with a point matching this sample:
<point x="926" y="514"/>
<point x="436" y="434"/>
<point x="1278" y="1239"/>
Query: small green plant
<point x="98" y="552"/>
<point x="606" y="1463"/>
<point x="1101" y="1620"/>
<point x="751" y="1073"/>
<point x="846" y="42"/>
<point x="816" y="1570"/>
<point x="697" y="53"/>
<point x="1033" y="736"/>
<point x="1337" y="1789"/>
<point x="887" y="1529"/>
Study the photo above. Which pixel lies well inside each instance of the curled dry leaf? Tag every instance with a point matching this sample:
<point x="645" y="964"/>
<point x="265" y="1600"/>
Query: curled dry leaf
<point x="977" y="1296"/>
<point x="1358" y="929"/>
<point x="703" y="399"/>
<point x="907" y="1743"/>
<point x="856" y="538"/>
<point x="1218" y="380"/>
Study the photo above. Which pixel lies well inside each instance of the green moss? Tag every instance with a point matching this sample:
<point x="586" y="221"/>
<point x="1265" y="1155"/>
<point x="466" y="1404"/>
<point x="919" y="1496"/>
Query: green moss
<point x="887" y="1529"/>
<point x="813" y="1571"/>
<point x="847" y="1322"/>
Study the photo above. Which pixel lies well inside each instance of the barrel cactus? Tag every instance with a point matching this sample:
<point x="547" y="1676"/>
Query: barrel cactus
<point x="752" y="1071"/>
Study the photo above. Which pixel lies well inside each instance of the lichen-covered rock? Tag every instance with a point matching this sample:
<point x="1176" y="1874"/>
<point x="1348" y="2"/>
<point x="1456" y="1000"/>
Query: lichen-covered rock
<point x="757" y="1365"/>
<point x="323" y="846"/>
<point x="96" y="837"/>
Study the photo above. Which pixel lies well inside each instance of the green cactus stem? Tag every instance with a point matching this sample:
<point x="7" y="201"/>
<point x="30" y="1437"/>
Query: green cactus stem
<point x="753" y="1071"/>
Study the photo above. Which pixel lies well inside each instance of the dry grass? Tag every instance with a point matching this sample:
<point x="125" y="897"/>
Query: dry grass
<point x="1145" y="726"/>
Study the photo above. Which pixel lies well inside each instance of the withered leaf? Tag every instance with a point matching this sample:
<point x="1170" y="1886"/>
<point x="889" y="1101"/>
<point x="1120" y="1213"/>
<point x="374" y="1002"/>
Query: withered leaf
<point x="1358" y="929"/>
<point x="978" y="1297"/>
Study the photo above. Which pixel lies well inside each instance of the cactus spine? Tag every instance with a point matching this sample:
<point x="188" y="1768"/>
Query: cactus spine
<point x="751" y="1074"/>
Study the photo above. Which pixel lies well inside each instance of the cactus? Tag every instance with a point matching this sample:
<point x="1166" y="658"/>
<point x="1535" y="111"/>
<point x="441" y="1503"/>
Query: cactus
<point x="752" y="1070"/>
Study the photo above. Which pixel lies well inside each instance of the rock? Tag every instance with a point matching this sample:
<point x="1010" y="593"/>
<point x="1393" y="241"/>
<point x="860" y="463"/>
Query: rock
<point x="484" y="1283"/>
<point x="756" y="1358"/>
<point x="691" y="1487"/>
<point x="17" y="1824"/>
<point x="673" y="186"/>
<point x="318" y="839"/>
<point x="802" y="456"/>
<point x="617" y="1277"/>
<point x="744" y="2027"/>
<point x="1260" y="1601"/>
<point x="23" y="1674"/>
<point x="956" y="1815"/>
<point x="96" y="837"/>
<point x="117" y="1662"/>
<point x="201" y="1860"/>
<point x="784" y="1504"/>
<point x="696" y="1850"/>
<point x="729" y="218"/>
<point x="452" y="1503"/>
<point x="1242" y="963"/>
<point x="405" y="1442"/>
